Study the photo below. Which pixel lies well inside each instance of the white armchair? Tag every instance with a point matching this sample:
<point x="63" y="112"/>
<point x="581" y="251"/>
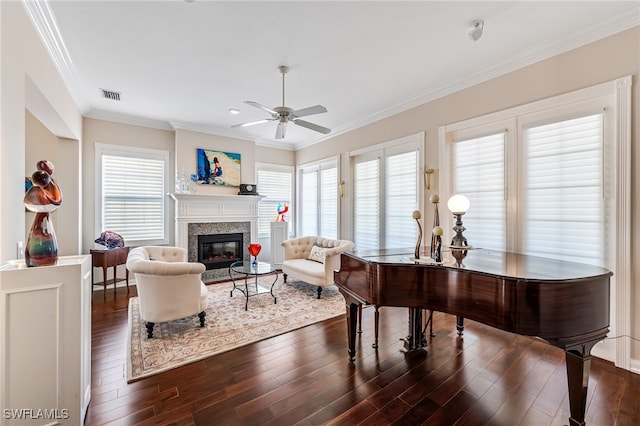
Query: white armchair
<point x="169" y="287"/>
<point x="313" y="259"/>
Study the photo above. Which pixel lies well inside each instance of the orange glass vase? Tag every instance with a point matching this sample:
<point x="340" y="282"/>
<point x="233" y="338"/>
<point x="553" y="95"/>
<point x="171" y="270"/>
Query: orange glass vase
<point x="254" y="250"/>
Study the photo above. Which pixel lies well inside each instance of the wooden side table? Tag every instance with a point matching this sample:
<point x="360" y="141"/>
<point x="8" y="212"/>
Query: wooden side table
<point x="109" y="258"/>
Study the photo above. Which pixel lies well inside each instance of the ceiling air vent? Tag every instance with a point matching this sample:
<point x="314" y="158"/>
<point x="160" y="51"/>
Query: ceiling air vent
<point x="110" y="94"/>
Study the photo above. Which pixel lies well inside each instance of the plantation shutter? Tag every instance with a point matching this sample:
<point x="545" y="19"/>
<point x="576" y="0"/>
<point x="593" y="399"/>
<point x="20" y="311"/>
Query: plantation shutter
<point x="275" y="187"/>
<point x="366" y="218"/>
<point x="401" y="199"/>
<point x="133" y="197"/>
<point x="478" y="172"/>
<point x="564" y="202"/>
<point x="329" y="202"/>
<point x="309" y="200"/>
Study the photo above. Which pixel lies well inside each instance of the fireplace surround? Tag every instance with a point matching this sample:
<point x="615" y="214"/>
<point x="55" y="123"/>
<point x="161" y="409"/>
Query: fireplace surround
<point x="207" y="214"/>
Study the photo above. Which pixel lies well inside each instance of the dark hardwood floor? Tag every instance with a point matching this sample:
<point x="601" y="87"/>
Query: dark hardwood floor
<point x="488" y="377"/>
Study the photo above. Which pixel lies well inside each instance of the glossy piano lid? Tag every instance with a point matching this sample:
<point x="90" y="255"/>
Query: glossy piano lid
<point x="490" y="262"/>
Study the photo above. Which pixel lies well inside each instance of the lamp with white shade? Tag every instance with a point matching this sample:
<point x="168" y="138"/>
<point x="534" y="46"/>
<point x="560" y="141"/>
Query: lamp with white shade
<point x="458" y="205"/>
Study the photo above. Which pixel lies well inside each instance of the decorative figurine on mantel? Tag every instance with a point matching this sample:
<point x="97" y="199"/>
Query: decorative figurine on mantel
<point x="42" y="198"/>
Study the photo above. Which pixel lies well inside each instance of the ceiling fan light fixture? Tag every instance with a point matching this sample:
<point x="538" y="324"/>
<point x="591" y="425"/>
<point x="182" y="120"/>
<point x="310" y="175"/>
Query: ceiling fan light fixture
<point x="477" y="28"/>
<point x="283" y="114"/>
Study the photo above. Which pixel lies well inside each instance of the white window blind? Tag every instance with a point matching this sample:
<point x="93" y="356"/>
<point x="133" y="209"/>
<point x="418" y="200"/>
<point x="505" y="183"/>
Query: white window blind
<point x="318" y="214"/>
<point x="386" y="191"/>
<point x="329" y="202"/>
<point x="276" y="187"/>
<point x="564" y="202"/>
<point x="309" y="201"/>
<point x="401" y="199"/>
<point x="133" y="195"/>
<point x="366" y="218"/>
<point x="478" y="172"/>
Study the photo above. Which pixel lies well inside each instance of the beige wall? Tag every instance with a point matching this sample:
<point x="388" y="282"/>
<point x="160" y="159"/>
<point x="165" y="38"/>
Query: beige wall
<point x="187" y="142"/>
<point x="275" y="156"/>
<point x="28" y="81"/>
<point x="108" y="132"/>
<point x="182" y="145"/>
<point x="41" y="144"/>
<point x="602" y="61"/>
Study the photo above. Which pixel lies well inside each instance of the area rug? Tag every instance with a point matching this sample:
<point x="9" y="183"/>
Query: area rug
<point x="228" y="325"/>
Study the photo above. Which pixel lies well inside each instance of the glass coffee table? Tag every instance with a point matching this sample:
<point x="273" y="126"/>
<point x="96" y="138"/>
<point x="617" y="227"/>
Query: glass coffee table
<point x="251" y="272"/>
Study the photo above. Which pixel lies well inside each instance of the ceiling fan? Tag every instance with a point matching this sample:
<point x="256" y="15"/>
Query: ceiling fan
<point x="283" y="114"/>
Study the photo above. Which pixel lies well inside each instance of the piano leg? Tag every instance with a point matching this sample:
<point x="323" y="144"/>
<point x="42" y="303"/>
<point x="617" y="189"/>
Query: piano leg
<point x="430" y="324"/>
<point x="415" y="339"/>
<point x="352" y="321"/>
<point x="578" y="360"/>
<point x="460" y="325"/>
<point x="359" y="319"/>
<point x="376" y="327"/>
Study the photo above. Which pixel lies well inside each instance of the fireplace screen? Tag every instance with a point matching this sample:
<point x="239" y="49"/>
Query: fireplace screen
<point x="219" y="250"/>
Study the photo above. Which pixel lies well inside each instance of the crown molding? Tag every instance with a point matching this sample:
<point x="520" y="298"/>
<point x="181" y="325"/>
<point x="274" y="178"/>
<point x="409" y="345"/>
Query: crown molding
<point x="128" y="119"/>
<point x="45" y="24"/>
<point x="509" y="64"/>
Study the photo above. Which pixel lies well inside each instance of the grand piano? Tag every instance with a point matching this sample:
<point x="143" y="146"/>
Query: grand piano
<point x="564" y="303"/>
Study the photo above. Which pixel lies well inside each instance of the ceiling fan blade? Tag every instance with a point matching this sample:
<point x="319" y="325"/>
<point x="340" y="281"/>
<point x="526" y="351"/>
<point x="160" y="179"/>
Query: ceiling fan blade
<point x="316" y="109"/>
<point x="252" y="123"/>
<point x="312" y="126"/>
<point x="262" y="107"/>
<point x="280" y="131"/>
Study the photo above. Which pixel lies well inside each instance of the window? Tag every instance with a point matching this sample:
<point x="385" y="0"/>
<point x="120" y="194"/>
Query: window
<point x="318" y="214"/>
<point x="567" y="189"/>
<point x="131" y="193"/>
<point x="555" y="190"/>
<point x="478" y="172"/>
<point x="387" y="188"/>
<point x="275" y="183"/>
<point x="564" y="204"/>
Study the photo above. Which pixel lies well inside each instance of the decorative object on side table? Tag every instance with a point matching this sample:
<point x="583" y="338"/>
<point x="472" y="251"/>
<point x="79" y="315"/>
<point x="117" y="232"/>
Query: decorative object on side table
<point x="254" y="250"/>
<point x="417" y="215"/>
<point x="42" y="198"/>
<point x="110" y="239"/>
<point x="458" y="205"/>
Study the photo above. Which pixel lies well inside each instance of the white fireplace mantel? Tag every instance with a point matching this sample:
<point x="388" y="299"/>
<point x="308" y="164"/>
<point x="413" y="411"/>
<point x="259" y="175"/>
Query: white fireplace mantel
<point x="211" y="208"/>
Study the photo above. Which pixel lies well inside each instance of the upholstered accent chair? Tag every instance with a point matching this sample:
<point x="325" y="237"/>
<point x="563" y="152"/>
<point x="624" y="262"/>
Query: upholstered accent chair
<point x="169" y="287"/>
<point x="313" y="259"/>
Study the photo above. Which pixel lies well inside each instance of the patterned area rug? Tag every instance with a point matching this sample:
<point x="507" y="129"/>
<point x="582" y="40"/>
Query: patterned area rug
<point x="228" y="325"/>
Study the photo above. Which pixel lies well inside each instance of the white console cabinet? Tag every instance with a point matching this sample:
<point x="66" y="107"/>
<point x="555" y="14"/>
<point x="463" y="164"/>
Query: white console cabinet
<point x="279" y="233"/>
<point x="46" y="342"/>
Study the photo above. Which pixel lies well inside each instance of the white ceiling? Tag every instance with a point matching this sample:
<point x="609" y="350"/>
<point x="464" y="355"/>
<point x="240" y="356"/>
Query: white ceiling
<point x="184" y="64"/>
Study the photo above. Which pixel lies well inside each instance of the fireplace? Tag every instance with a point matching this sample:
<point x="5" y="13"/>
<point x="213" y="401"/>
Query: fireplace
<point x="220" y="250"/>
<point x="209" y="214"/>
